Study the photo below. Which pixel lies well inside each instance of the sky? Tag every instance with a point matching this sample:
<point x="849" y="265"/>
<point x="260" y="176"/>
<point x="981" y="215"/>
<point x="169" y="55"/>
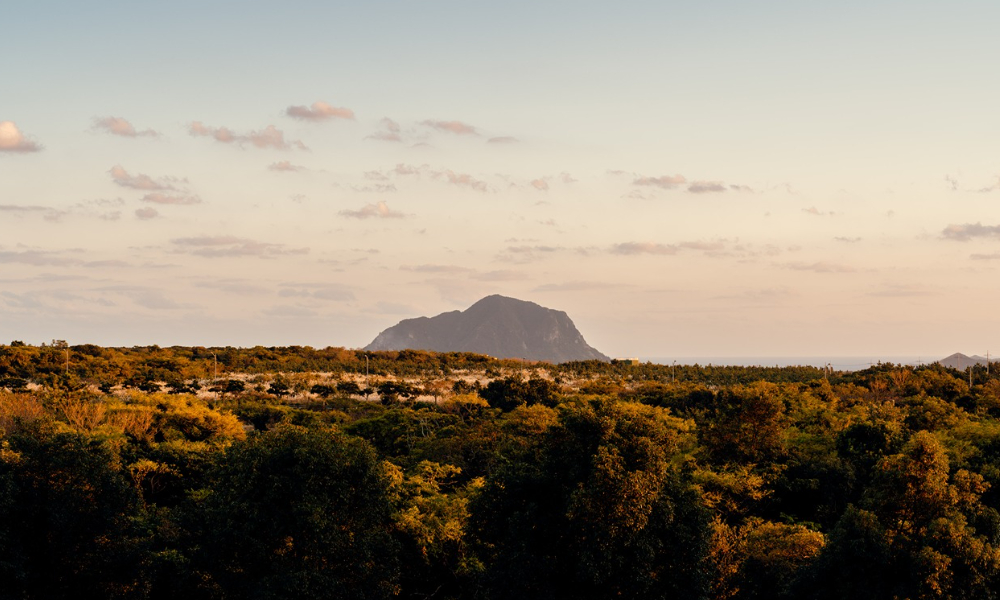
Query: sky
<point x="714" y="178"/>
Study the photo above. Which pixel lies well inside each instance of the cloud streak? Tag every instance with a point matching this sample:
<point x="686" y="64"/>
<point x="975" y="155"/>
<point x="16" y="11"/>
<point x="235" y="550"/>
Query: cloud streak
<point x="707" y="187"/>
<point x="223" y="246"/>
<point x="121" y="127"/>
<point x="269" y="137"/>
<point x="967" y="231"/>
<point x="142" y="182"/>
<point x="284" y="166"/>
<point x="820" y="267"/>
<point x="182" y="199"/>
<point x="391" y="132"/>
<point x="456" y="127"/>
<point x="666" y="182"/>
<point x="636" y="248"/>
<point x="319" y="111"/>
<point x="379" y="210"/>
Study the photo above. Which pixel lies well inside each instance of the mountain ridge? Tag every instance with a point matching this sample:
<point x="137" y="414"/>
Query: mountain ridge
<point x="497" y="326"/>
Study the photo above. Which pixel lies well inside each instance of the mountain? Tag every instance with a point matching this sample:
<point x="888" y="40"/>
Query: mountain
<point x="497" y="326"/>
<point x="961" y="362"/>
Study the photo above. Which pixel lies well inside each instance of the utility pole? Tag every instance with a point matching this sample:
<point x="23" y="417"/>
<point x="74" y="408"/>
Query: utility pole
<point x="215" y="380"/>
<point x="673" y="372"/>
<point x="366" y="376"/>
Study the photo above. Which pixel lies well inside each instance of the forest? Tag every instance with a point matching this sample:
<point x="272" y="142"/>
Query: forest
<point x="294" y="472"/>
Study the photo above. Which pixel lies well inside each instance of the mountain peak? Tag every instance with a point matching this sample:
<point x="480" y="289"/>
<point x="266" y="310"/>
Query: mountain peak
<point x="497" y="326"/>
<point x="961" y="361"/>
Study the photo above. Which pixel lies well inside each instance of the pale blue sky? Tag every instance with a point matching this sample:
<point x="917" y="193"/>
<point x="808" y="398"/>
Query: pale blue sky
<point x="696" y="178"/>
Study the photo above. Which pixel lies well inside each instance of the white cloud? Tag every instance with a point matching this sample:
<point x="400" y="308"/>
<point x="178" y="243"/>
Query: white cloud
<point x="12" y="140"/>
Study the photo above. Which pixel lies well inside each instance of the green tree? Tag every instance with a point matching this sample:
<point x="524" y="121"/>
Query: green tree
<point x="300" y="513"/>
<point x="596" y="512"/>
<point x="67" y="512"/>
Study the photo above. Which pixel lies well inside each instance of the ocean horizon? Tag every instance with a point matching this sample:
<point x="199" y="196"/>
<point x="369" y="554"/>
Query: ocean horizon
<point x="838" y="363"/>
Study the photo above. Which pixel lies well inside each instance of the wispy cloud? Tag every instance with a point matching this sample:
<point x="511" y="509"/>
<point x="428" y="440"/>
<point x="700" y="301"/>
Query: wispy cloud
<point x="667" y="182"/>
<point x="847" y="240"/>
<point x="500" y="275"/>
<point x="219" y="246"/>
<point x="820" y="267"/>
<point x="896" y="290"/>
<point x="121" y="127"/>
<point x="540" y="184"/>
<point x="235" y="286"/>
<point x="634" y="248"/>
<point x="526" y="254"/>
<point x="319" y="111"/>
<point x="707" y="187"/>
<point x="143" y="182"/>
<point x="158" y="198"/>
<point x="575" y="286"/>
<point x="967" y="231"/>
<point x="378" y="188"/>
<point x="269" y="137"/>
<point x="320" y="291"/>
<point x="630" y="248"/>
<point x="22" y="209"/>
<point x="379" y="210"/>
<point x="404" y="169"/>
<point x="12" y="140"/>
<point x="38" y="258"/>
<point x="147" y="213"/>
<point x="991" y="188"/>
<point x="390" y="132"/>
<point x="505" y="139"/>
<point x="461" y="179"/>
<point x="812" y="210"/>
<point x="456" y="127"/>
<point x="993" y="256"/>
<point x="284" y="166"/>
<point x="454" y="269"/>
<point x="291" y="312"/>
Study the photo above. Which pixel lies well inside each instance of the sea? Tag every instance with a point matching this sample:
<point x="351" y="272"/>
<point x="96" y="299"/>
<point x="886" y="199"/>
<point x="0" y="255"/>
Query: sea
<point x="837" y="363"/>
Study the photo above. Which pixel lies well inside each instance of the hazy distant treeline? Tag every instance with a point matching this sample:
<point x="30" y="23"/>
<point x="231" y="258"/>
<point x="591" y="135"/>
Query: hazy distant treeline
<point x="278" y="479"/>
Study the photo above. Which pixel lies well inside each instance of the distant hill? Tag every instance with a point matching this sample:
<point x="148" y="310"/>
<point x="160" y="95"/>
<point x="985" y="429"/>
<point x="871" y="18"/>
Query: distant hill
<point x="961" y="362"/>
<point x="497" y="326"/>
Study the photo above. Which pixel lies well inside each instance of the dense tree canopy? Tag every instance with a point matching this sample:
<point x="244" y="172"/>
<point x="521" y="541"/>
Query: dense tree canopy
<point x="217" y="473"/>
